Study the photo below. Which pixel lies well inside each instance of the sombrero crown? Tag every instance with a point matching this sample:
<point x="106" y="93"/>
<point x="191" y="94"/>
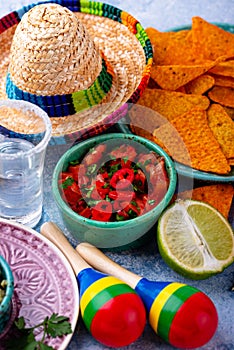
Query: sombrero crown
<point x="55" y="63"/>
<point x="66" y="60"/>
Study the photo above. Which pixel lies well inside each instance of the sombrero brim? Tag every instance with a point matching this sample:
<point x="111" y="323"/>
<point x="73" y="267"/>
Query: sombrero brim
<point x="126" y="46"/>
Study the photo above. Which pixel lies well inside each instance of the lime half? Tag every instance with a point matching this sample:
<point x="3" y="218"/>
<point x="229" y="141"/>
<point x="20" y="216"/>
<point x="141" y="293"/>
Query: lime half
<point x="194" y="239"/>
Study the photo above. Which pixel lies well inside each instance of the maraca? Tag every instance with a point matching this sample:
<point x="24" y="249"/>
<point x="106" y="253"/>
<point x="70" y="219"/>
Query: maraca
<point x="112" y="311"/>
<point x="180" y="314"/>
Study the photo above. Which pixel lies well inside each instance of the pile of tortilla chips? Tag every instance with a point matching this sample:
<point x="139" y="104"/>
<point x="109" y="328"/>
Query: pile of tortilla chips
<point x="191" y="90"/>
<point x="220" y="196"/>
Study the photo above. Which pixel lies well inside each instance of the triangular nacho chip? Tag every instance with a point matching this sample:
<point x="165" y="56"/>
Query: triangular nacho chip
<point x="159" y="44"/>
<point x="167" y="137"/>
<point x="200" y="85"/>
<point x="229" y="111"/>
<point x="231" y="161"/>
<point x="222" y="80"/>
<point x="180" y="49"/>
<point x="171" y="77"/>
<point x="204" y="150"/>
<point x="181" y="89"/>
<point x="148" y="135"/>
<point x="222" y="127"/>
<point x="225" y="68"/>
<point x="152" y="84"/>
<point x="144" y="120"/>
<point x="220" y="196"/>
<point x="170" y="47"/>
<point x="210" y="41"/>
<point x="171" y="103"/>
<point x="222" y="95"/>
<point x="192" y="68"/>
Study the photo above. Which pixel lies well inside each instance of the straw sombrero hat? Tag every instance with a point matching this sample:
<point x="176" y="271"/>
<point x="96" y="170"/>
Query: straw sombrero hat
<point x="81" y="63"/>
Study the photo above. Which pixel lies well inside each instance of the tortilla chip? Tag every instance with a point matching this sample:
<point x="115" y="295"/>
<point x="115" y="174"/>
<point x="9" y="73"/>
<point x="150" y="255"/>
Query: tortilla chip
<point x="222" y="127"/>
<point x="170" y="103"/>
<point x="222" y="95"/>
<point x="167" y="137"/>
<point x="210" y="41"/>
<point x="221" y="80"/>
<point x="225" y="68"/>
<point x="171" y="77"/>
<point x="149" y="136"/>
<point x="229" y="111"/>
<point x="188" y="64"/>
<point x="200" y="85"/>
<point x="181" y="89"/>
<point x="170" y="47"/>
<point x="145" y="118"/>
<point x="159" y="43"/>
<point x="180" y="49"/>
<point x="203" y="148"/>
<point x="220" y="196"/>
<point x="152" y="84"/>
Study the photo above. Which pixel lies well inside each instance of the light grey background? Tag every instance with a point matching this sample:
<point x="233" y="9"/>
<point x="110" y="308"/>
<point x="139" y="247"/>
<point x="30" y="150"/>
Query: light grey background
<point x="163" y="14"/>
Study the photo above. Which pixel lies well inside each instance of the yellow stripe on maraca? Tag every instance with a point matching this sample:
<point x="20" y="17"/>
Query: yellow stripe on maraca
<point x="160" y="301"/>
<point x="96" y="288"/>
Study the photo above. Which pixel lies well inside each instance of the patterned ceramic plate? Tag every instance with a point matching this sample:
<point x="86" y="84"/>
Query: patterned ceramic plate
<point x="44" y="280"/>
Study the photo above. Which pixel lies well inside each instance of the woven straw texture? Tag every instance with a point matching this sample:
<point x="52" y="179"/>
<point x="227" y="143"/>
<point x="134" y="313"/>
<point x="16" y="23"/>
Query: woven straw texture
<point x="52" y="52"/>
<point x="108" y="30"/>
<point x="55" y="64"/>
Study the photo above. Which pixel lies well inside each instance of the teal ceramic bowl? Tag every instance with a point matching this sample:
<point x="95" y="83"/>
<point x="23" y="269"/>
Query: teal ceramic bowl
<point x="121" y="234"/>
<point x="5" y="305"/>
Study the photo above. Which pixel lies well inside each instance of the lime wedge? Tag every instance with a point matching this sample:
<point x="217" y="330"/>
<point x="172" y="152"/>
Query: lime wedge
<point x="194" y="239"/>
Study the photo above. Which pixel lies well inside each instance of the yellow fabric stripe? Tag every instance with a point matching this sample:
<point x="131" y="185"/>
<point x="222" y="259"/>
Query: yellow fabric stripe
<point x="96" y="288"/>
<point x="160" y="301"/>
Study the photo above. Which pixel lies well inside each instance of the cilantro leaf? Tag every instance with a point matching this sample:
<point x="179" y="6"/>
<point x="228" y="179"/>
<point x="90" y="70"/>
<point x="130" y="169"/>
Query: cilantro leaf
<point x="43" y="346"/>
<point x="31" y="346"/>
<point x="20" y="323"/>
<point x="25" y="342"/>
<point x="68" y="182"/>
<point x="74" y="162"/>
<point x="125" y="159"/>
<point x="53" y="326"/>
<point x="91" y="169"/>
<point x="58" y="326"/>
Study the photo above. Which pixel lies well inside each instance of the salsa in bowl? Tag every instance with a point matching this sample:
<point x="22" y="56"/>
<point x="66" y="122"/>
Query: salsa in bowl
<point x="111" y="189"/>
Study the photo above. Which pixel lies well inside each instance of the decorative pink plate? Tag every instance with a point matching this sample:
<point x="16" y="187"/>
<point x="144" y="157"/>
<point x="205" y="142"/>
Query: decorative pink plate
<point x="44" y="280"/>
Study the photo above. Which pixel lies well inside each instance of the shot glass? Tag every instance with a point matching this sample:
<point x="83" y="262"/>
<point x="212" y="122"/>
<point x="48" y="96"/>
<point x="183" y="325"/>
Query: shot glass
<point x="25" y="130"/>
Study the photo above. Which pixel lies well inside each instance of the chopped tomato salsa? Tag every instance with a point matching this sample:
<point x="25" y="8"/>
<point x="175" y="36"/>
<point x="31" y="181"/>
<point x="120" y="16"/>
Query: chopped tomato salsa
<point x="114" y="183"/>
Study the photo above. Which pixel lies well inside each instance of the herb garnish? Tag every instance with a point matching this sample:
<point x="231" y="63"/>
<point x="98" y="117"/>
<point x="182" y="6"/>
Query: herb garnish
<point x="53" y="326"/>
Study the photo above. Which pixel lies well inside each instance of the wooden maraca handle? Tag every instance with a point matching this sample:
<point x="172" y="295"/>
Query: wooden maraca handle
<point x="101" y="262"/>
<point x="51" y="231"/>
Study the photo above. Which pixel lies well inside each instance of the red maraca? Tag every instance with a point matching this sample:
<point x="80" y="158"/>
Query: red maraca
<point x="180" y="314"/>
<point x="112" y="311"/>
